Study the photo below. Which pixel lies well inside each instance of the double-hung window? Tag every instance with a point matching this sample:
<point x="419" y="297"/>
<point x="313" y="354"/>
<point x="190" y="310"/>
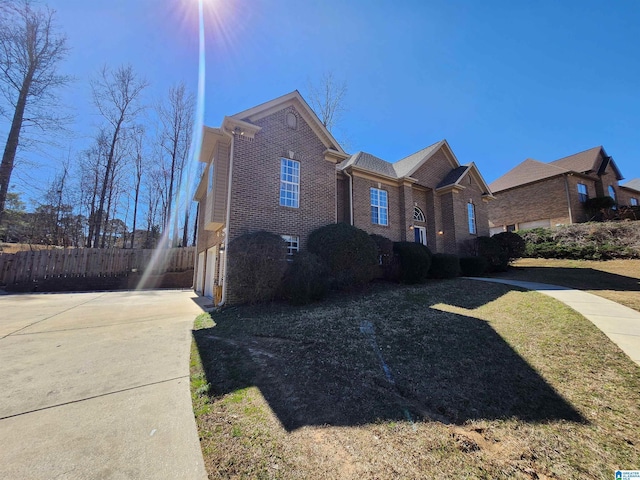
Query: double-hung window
<point x="583" y="194"/>
<point x="289" y="183"/>
<point x="379" y="207"/>
<point x="293" y="243"/>
<point x="634" y="202"/>
<point x="471" y="216"/>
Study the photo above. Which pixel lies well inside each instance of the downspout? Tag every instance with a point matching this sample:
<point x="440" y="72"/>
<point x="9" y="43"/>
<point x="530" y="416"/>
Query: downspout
<point x="566" y="189"/>
<point x="350" y="197"/>
<point x="223" y="299"/>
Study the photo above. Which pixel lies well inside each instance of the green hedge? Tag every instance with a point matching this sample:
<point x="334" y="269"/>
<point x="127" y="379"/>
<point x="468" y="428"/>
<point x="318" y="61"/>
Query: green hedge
<point x="473" y="266"/>
<point x="349" y="253"/>
<point x="257" y="262"/>
<point x="413" y="260"/>
<point x="306" y="279"/>
<point x="444" y="265"/>
<point x="586" y="241"/>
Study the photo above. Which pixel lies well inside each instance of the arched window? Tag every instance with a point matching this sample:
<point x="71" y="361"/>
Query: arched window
<point x="418" y="216"/>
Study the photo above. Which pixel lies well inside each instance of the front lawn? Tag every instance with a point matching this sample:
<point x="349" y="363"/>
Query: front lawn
<point x="453" y="379"/>
<point x="617" y="280"/>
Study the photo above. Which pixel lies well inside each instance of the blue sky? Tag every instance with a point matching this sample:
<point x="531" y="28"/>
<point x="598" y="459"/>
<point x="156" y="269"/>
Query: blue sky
<point x="500" y="80"/>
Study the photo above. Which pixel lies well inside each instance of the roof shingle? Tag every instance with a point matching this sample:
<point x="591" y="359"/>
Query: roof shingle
<point x="528" y="171"/>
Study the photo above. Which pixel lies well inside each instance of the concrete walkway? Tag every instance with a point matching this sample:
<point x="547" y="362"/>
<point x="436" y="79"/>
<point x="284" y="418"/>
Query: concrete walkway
<point x="96" y="386"/>
<point x="621" y="324"/>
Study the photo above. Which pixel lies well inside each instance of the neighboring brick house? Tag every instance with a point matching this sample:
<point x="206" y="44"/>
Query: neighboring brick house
<point x="631" y="191"/>
<point x="275" y="167"/>
<point x="536" y="194"/>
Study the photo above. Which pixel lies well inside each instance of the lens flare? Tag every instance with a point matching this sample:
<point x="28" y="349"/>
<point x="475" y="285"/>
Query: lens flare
<point x="186" y="189"/>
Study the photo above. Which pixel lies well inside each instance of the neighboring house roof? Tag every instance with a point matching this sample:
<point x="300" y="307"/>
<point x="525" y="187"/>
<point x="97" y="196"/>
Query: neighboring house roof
<point x="588" y="162"/>
<point x="632" y="184"/>
<point x="527" y="172"/>
<point x="406" y="166"/>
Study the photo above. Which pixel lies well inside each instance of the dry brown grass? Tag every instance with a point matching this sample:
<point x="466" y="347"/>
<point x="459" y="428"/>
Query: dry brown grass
<point x="488" y="382"/>
<point x="22" y="247"/>
<point x="617" y="280"/>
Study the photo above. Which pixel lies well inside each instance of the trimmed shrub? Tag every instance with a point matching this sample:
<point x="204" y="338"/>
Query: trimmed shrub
<point x="306" y="279"/>
<point x="496" y="256"/>
<point x="414" y="260"/>
<point x="444" y="265"/>
<point x="473" y="266"/>
<point x="512" y="244"/>
<point x="385" y="256"/>
<point x="585" y="241"/>
<point x="349" y="253"/>
<point x="257" y="262"/>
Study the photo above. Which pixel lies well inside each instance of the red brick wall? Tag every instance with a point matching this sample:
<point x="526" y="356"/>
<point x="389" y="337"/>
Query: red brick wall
<point x="255" y="196"/>
<point x="546" y="199"/>
<point x="362" y="208"/>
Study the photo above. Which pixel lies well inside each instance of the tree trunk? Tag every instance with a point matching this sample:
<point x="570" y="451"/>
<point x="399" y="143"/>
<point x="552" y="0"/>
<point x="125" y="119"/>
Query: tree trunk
<point x="107" y="176"/>
<point x="11" y="148"/>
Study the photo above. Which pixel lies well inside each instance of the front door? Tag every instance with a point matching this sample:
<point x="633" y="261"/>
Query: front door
<point x="420" y="234"/>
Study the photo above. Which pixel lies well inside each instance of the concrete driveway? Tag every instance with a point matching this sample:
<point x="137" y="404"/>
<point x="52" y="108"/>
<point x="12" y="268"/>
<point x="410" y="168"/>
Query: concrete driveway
<point x="96" y="386"/>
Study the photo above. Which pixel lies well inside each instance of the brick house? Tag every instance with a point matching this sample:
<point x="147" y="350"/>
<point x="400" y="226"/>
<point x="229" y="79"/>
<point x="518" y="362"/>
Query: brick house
<point x="275" y="167"/>
<point x="536" y="194"/>
<point x="631" y="191"/>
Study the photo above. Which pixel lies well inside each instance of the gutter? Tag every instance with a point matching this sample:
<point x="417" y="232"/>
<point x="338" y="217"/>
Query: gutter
<point x="350" y="196"/>
<point x="228" y="219"/>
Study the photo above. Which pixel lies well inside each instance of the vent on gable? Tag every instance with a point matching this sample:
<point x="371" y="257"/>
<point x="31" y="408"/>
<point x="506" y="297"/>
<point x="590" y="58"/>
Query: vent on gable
<point x="292" y="120"/>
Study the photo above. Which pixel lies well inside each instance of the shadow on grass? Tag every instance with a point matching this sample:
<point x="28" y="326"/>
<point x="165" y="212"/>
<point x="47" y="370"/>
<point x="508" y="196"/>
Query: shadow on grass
<point x="579" y="278"/>
<point x="325" y="365"/>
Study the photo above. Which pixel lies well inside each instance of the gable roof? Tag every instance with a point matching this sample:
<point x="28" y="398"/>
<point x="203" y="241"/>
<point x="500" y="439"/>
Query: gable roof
<point x="589" y="161"/>
<point x="369" y="162"/>
<point x="453" y="177"/>
<point x="633" y="184"/>
<point x="405" y="167"/>
<point x="526" y="172"/>
<point x="294" y="98"/>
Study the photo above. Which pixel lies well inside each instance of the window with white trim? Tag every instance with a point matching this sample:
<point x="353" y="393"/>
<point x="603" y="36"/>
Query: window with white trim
<point x="418" y="215"/>
<point x="289" y="183"/>
<point x="293" y="243"/>
<point x="634" y="202"/>
<point x="471" y="216"/>
<point x="583" y="194"/>
<point x="379" y="207"/>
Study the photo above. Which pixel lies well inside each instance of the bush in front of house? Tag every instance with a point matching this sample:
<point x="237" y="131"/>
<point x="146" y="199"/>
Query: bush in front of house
<point x="444" y="265"/>
<point x="257" y="263"/>
<point x="512" y="245"/>
<point x="349" y="253"/>
<point x="306" y="279"/>
<point x="473" y="266"/>
<point x="387" y="265"/>
<point x="414" y="260"/>
<point x="491" y="249"/>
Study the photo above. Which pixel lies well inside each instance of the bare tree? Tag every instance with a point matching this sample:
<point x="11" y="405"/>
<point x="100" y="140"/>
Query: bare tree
<point x="138" y="158"/>
<point x="116" y="95"/>
<point x="327" y="98"/>
<point x="30" y="52"/>
<point x="177" y="126"/>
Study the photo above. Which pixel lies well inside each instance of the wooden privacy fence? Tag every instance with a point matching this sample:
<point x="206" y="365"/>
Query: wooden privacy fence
<point x="33" y="266"/>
